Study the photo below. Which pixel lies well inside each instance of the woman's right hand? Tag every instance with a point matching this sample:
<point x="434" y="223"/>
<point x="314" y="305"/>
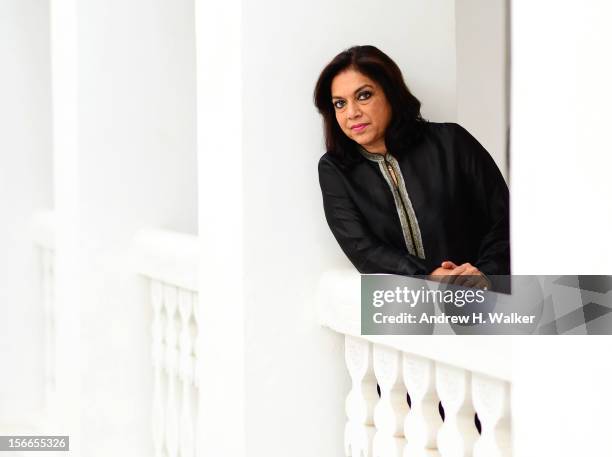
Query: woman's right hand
<point x="461" y="275"/>
<point x="440" y="271"/>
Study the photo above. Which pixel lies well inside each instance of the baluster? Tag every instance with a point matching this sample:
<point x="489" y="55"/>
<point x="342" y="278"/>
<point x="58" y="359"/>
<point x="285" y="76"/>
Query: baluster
<point x="195" y="329"/>
<point x="492" y="403"/>
<point x="52" y="321"/>
<point x="458" y="433"/>
<point x="158" y="352"/>
<point x="391" y="410"/>
<point x="361" y="400"/>
<point x="49" y="323"/>
<point x="423" y="421"/>
<point x="170" y="303"/>
<point x="186" y="374"/>
<point x="196" y="333"/>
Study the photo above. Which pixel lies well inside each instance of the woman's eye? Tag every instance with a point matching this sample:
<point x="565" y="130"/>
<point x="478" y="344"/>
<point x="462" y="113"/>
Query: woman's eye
<point x="364" y="95"/>
<point x="339" y="104"/>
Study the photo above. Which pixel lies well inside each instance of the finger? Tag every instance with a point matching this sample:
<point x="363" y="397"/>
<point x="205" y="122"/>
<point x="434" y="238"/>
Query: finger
<point x="436" y="274"/>
<point x="448" y="265"/>
<point x="459" y="270"/>
<point x="466" y="269"/>
<point x="454" y="274"/>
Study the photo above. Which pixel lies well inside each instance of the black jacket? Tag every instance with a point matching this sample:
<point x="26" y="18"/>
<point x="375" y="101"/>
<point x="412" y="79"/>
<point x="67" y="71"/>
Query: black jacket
<point x="450" y="203"/>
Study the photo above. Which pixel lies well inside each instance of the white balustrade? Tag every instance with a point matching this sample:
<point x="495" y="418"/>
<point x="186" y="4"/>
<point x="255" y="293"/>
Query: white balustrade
<point x="169" y="262"/>
<point x="389" y="427"/>
<point x="451" y="374"/>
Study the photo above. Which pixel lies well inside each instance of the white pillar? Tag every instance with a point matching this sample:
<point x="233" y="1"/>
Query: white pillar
<point x="124" y="159"/>
<point x="26" y="181"/>
<point x="221" y="352"/>
<point x="69" y="295"/>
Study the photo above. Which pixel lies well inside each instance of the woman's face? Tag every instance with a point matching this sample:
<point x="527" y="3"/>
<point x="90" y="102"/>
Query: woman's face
<point x="362" y="110"/>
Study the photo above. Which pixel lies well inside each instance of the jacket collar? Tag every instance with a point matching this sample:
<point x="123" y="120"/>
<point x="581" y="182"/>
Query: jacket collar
<point x="370" y="155"/>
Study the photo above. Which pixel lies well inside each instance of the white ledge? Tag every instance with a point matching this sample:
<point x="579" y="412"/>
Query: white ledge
<point x="166" y="256"/>
<point x="42" y="228"/>
<point x="339" y="304"/>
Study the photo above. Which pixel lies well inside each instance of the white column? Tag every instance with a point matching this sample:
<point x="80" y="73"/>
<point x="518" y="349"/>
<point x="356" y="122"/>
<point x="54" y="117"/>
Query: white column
<point x="69" y="294"/>
<point x="26" y="180"/>
<point x="221" y="352"/>
<point x="124" y="152"/>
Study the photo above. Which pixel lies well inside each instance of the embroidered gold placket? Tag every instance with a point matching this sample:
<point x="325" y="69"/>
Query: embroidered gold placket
<point x="392" y="180"/>
<point x="390" y="170"/>
<point x="392" y="173"/>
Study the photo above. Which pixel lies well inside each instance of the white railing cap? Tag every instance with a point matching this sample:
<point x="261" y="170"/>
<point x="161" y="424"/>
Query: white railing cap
<point x="339" y="308"/>
<point x="166" y="256"/>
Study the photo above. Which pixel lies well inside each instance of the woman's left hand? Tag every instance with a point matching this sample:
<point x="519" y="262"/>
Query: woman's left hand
<point x="466" y="275"/>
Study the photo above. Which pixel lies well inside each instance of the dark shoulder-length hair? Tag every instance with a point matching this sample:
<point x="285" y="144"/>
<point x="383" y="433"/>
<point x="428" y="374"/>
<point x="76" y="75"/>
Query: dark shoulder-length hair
<point x="406" y="118"/>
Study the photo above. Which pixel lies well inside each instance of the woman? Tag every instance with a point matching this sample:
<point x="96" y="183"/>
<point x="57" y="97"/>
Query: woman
<point x="403" y="195"/>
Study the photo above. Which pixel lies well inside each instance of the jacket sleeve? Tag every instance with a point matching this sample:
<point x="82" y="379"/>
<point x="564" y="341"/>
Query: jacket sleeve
<point x="489" y="193"/>
<point x="368" y="253"/>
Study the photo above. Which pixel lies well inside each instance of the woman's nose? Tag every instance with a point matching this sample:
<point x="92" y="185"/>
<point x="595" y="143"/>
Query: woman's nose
<point x="353" y="110"/>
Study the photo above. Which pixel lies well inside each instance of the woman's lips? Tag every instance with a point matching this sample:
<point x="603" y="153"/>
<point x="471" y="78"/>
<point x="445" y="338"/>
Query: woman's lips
<point x="358" y="127"/>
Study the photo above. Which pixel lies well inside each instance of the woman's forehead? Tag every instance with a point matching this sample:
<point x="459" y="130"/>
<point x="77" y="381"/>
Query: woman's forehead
<point x="348" y="81"/>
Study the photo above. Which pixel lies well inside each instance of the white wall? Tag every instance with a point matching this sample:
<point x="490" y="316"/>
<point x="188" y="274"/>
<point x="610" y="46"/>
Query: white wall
<point x="25" y="180"/>
<point x="259" y="142"/>
<point x="133" y="165"/>
<point x="561" y="150"/>
<point x="561" y="215"/>
<point x="482" y="74"/>
<point x="295" y="377"/>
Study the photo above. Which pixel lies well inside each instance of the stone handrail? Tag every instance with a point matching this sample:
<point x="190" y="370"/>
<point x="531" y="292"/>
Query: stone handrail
<point x="420" y="395"/>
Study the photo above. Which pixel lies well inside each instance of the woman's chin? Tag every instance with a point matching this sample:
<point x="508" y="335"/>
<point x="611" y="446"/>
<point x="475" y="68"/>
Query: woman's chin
<point x="361" y="141"/>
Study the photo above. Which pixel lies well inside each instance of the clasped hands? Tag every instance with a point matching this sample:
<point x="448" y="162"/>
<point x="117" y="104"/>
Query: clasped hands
<point x="466" y="275"/>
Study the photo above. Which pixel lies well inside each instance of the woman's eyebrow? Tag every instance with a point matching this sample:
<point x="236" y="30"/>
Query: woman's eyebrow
<point x="356" y="90"/>
<point x="363" y="87"/>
